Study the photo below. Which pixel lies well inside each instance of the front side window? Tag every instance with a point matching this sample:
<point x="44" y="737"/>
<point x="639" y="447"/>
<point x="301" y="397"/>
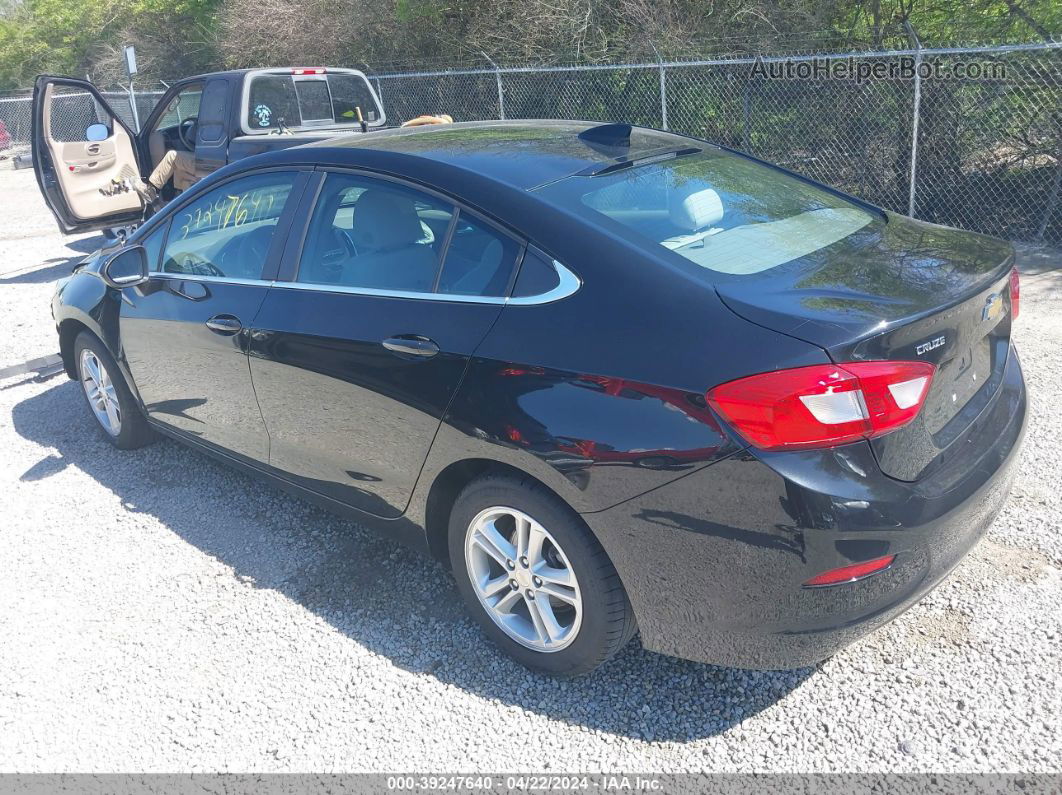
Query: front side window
<point x="226" y="232"/>
<point x="722" y="212"/>
<point x="153" y="246"/>
<point x="181" y="107"/>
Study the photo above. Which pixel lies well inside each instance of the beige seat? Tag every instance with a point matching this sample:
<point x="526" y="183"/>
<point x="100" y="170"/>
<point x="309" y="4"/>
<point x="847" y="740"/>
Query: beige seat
<point x="387" y="232"/>
<point x="696" y="210"/>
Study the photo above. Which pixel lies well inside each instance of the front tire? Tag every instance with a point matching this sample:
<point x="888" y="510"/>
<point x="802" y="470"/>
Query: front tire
<point x="535" y="578"/>
<point x="111" y="405"/>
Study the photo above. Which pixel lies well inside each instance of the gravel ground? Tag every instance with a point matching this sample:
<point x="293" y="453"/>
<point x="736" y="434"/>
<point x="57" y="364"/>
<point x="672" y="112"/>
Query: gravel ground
<point x="159" y="612"/>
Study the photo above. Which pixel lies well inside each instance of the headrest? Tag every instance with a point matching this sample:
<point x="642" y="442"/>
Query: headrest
<point x="384" y="221"/>
<point x="694" y="208"/>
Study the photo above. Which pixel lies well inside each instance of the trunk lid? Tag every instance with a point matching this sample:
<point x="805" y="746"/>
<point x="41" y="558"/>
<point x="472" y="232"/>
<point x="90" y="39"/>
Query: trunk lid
<point x="902" y="290"/>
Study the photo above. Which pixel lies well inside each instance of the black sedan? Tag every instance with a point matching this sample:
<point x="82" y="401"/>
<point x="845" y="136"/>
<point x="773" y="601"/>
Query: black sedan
<point x="618" y="379"/>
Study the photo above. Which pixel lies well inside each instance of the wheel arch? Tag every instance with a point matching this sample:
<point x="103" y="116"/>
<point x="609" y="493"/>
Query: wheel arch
<point x="448" y="484"/>
<point x="72" y="325"/>
<point x="68" y="331"/>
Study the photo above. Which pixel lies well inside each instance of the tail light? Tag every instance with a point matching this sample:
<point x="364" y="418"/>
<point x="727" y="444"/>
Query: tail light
<point x="1015" y="293"/>
<point x="856" y="571"/>
<point x="315" y="70"/>
<point x="823" y="405"/>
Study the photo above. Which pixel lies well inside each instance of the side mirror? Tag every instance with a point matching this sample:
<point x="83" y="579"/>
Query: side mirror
<point x="126" y="268"/>
<point x="97" y="132"/>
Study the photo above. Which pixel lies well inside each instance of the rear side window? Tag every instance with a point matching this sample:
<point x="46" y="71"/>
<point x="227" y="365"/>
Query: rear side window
<point x="227" y="232"/>
<point x="374" y="234"/>
<point x="537" y="276"/>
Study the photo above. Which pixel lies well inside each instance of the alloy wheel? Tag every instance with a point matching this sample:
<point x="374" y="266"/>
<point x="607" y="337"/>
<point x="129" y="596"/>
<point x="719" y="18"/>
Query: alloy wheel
<point x="101" y="394"/>
<point x="523" y="579"/>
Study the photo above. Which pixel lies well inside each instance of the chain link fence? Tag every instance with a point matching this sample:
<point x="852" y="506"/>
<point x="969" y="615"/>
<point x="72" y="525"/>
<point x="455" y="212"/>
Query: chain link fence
<point x="969" y="137"/>
<point x="72" y="112"/>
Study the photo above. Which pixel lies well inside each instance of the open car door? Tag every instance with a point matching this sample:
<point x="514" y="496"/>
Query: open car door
<point x="79" y="146"/>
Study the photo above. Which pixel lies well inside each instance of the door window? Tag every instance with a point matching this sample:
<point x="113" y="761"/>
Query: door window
<point x="153" y="246"/>
<point x="227" y="232"/>
<point x="181" y="107"/>
<point x="479" y="260"/>
<point x="368" y="233"/>
<point x="373" y="234"/>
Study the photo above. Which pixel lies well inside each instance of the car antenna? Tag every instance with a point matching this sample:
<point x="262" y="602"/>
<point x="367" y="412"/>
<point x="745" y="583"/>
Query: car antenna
<point x="612" y="140"/>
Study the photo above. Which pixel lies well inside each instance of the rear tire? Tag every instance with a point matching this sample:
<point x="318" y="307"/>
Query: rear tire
<point x="112" y="407"/>
<point x="567" y="621"/>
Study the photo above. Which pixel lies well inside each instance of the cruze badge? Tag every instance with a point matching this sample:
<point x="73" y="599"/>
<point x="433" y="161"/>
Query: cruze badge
<point x="928" y="346"/>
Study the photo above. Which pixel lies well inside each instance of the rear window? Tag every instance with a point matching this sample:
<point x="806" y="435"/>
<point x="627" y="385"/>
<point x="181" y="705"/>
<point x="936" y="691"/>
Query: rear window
<point x="309" y="101"/>
<point x="723" y="212"/>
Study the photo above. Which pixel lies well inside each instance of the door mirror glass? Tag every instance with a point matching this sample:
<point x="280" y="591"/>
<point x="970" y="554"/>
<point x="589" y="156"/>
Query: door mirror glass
<point x="126" y="268"/>
<point x="97" y="132"/>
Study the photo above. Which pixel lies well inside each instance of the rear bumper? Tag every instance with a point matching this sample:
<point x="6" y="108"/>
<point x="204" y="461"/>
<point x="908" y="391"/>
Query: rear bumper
<point x="714" y="562"/>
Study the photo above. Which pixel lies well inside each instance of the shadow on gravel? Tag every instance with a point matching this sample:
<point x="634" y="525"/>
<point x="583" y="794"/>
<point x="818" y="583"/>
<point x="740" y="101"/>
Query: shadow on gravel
<point x="381" y="595"/>
<point x="56" y="267"/>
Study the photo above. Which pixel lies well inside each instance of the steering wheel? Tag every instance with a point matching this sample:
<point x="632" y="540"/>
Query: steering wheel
<point x="186" y="132"/>
<point x="194" y="265"/>
<point x="345" y="239"/>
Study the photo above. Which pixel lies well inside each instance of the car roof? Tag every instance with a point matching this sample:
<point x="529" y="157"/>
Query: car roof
<point x="524" y="154"/>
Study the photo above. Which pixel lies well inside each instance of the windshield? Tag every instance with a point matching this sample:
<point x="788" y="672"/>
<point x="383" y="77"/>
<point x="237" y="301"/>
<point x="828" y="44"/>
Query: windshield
<point x="721" y="211"/>
<point x="294" y="101"/>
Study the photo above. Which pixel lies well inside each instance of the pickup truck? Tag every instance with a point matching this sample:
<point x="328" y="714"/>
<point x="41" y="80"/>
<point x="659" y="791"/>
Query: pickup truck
<point x="81" y="145"/>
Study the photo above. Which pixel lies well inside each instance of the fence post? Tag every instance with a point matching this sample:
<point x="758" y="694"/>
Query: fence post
<point x="132" y="107"/>
<point x="746" y="115"/>
<point x="916" y="115"/>
<point x="498" y="81"/>
<point x="663" y="88"/>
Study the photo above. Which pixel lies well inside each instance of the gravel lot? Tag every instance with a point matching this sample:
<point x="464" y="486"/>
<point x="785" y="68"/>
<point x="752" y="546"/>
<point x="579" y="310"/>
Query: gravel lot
<point x="159" y="612"/>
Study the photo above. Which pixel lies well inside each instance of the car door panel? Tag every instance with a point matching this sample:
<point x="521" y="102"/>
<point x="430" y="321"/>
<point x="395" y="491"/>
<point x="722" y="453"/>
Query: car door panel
<point x="184" y="332"/>
<point x="70" y="168"/>
<point x="352" y="367"/>
<point x="189" y="376"/>
<point x="347" y="417"/>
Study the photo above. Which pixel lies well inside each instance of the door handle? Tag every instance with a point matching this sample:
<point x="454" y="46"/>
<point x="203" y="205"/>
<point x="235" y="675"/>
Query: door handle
<point x="224" y="324"/>
<point x="411" y="345"/>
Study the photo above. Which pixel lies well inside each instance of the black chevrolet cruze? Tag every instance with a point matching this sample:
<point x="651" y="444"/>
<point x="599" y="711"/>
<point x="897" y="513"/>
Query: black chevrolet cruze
<point x="617" y="379"/>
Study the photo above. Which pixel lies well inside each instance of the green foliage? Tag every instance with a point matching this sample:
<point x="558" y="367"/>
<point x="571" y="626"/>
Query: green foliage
<point x="75" y="36"/>
<point x="178" y="37"/>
